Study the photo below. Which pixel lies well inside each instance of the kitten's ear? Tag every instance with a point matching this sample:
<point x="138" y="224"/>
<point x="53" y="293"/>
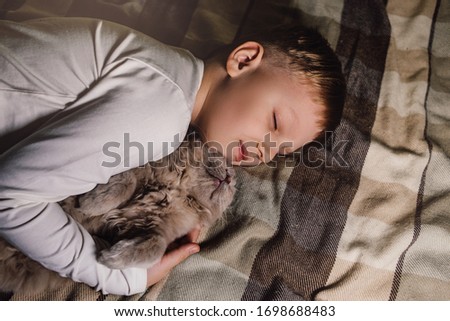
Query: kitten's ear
<point x="137" y="252"/>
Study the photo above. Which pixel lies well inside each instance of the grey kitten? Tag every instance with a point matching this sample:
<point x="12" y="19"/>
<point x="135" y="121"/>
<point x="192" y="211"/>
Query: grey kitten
<point x="137" y="214"/>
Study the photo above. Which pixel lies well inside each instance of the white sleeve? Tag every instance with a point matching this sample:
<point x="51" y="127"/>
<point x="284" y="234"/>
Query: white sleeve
<point x="67" y="156"/>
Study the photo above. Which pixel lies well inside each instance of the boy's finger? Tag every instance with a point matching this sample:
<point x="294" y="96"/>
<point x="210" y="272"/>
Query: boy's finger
<point x="191" y="237"/>
<point x="175" y="257"/>
<point x="169" y="261"/>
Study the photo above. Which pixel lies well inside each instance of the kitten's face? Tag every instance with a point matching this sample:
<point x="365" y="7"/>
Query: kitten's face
<point x="212" y="181"/>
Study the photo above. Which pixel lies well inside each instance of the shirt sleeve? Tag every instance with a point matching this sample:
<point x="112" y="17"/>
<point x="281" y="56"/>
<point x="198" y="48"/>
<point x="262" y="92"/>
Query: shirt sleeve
<point x="129" y="115"/>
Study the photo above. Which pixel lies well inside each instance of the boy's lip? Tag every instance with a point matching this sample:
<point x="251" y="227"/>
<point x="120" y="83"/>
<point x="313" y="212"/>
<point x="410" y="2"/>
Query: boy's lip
<point x="241" y="153"/>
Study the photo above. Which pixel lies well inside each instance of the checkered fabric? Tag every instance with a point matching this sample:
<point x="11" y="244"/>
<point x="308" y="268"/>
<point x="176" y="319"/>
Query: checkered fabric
<point x="366" y="217"/>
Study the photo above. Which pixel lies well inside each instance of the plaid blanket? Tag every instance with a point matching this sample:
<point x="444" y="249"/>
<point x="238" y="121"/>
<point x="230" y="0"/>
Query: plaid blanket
<point x="365" y="217"/>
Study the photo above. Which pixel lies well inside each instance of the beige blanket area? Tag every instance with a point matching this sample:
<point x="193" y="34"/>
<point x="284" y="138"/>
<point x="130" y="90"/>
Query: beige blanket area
<point x="372" y="220"/>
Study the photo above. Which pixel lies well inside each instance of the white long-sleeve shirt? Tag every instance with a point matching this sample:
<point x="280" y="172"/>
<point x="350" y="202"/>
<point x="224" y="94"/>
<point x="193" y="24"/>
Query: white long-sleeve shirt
<point x="77" y="97"/>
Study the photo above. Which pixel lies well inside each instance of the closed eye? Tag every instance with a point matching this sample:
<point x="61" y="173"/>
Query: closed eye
<point x="275" y="125"/>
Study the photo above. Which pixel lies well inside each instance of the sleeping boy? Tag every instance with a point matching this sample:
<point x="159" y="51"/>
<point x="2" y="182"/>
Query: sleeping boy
<point x="71" y="86"/>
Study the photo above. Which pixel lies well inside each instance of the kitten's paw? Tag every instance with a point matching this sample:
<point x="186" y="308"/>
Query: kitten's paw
<point x="133" y="253"/>
<point x="106" y="197"/>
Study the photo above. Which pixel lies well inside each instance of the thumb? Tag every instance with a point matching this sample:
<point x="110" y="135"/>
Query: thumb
<point x="169" y="261"/>
<point x="175" y="257"/>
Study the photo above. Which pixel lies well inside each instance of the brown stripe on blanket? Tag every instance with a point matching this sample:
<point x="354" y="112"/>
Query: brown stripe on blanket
<point x="420" y="196"/>
<point x="296" y="262"/>
<point x="167" y="20"/>
<point x="261" y="14"/>
<point x="213" y="25"/>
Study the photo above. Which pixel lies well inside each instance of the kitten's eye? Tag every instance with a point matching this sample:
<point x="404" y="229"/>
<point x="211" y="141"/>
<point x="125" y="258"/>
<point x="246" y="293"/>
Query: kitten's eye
<point x="275" y="121"/>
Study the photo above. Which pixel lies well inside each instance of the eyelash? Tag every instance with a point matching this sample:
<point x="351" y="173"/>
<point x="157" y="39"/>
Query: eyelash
<point x="275" y="125"/>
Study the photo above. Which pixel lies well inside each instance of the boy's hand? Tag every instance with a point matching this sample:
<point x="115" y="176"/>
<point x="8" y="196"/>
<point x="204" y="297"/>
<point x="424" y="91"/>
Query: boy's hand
<point x="174" y="257"/>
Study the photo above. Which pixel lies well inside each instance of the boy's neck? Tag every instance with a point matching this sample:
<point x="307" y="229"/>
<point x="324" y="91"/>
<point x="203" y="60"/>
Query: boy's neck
<point x="212" y="75"/>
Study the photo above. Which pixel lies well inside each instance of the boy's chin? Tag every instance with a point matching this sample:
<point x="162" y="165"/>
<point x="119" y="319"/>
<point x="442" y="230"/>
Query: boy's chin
<point x="247" y="163"/>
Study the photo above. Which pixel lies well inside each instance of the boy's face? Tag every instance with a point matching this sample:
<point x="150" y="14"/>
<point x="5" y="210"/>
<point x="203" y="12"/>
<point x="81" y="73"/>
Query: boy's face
<point x="258" y="112"/>
<point x="244" y="111"/>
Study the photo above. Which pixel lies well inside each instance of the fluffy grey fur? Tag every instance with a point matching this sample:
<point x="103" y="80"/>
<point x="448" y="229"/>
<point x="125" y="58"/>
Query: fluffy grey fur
<point x="137" y="214"/>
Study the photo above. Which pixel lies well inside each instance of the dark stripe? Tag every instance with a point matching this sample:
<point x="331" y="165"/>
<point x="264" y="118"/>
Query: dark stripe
<point x="247" y="12"/>
<point x="101" y="297"/>
<point x="6" y="296"/>
<point x="419" y="207"/>
<point x="168" y="20"/>
<point x="261" y="14"/>
<point x="297" y="261"/>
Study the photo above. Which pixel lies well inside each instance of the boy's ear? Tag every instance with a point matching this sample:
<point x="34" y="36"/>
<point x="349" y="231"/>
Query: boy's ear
<point x="244" y="58"/>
